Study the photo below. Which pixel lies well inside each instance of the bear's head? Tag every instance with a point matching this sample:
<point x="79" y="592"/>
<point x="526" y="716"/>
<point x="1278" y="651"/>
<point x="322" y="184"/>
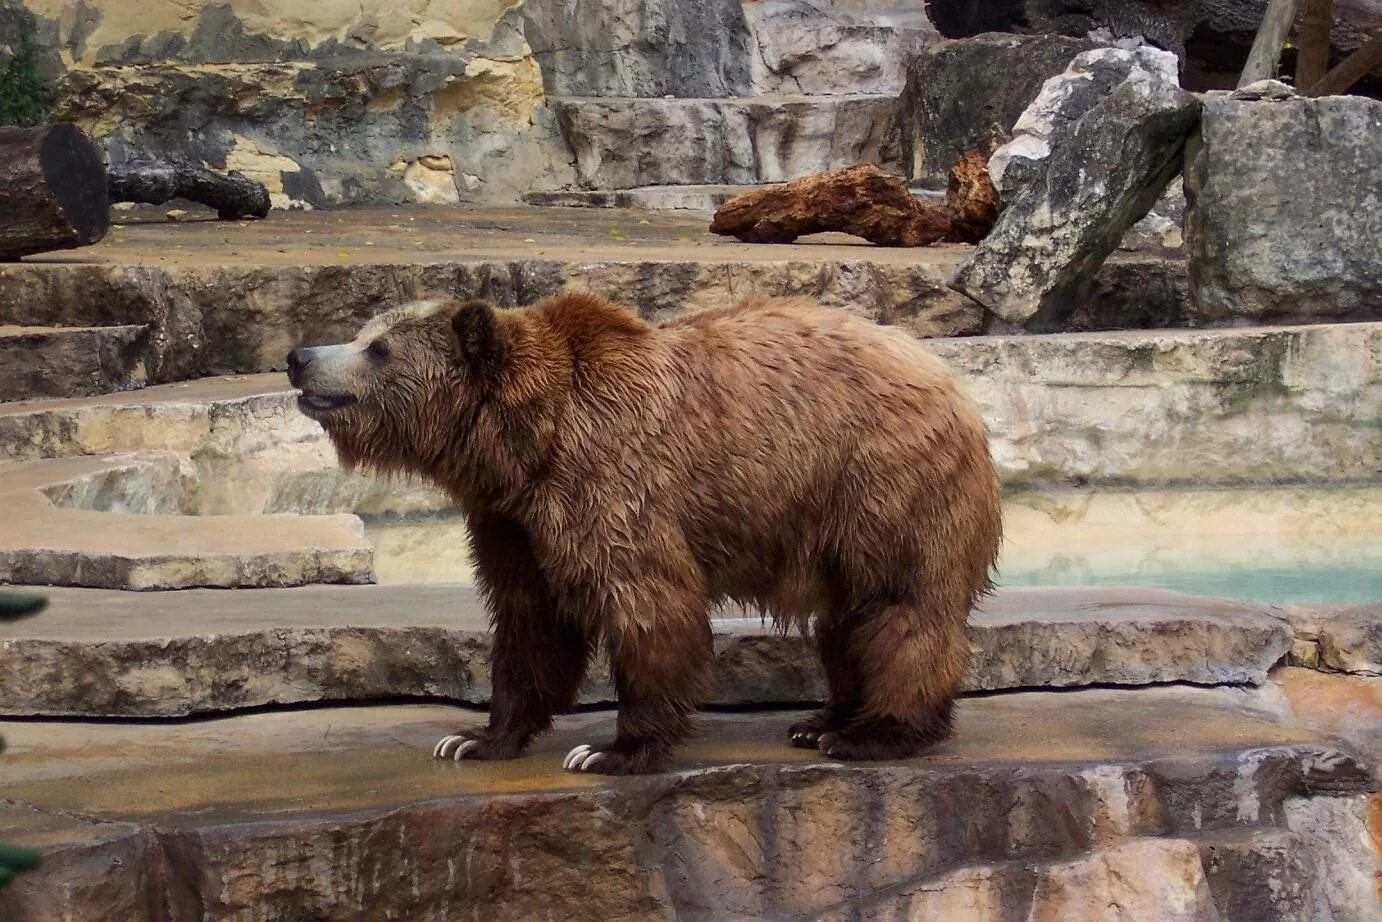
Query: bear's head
<point x="403" y="394"/>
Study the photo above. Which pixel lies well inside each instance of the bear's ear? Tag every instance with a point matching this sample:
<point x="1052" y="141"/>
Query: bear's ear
<point x="475" y="336"/>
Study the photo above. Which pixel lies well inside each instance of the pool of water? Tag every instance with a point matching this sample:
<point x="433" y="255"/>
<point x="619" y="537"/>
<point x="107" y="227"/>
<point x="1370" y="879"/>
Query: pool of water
<point x="1278" y="546"/>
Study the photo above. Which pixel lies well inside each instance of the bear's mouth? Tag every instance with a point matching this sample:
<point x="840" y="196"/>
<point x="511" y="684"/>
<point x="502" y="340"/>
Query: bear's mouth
<point x="323" y="404"/>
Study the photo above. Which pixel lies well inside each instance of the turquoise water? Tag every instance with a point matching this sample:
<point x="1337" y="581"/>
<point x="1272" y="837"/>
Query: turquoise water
<point x="1274" y="546"/>
<point x="1307" y="583"/>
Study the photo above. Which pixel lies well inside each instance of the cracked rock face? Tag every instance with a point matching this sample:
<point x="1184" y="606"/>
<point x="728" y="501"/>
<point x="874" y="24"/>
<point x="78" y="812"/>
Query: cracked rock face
<point x="1090" y="158"/>
<point x="1284" y="221"/>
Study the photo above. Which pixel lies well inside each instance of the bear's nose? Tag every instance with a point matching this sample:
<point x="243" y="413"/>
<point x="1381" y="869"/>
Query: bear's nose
<point x="298" y="359"/>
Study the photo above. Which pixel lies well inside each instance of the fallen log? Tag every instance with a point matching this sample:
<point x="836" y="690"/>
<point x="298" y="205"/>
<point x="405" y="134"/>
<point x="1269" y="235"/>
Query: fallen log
<point x="867" y="202"/>
<point x="970" y="194"/>
<point x="154" y="182"/>
<point x="860" y="200"/>
<point x="53" y="193"/>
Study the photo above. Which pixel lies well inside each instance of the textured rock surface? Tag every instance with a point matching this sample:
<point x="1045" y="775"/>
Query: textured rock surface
<point x="820" y="49"/>
<point x="1277" y="405"/>
<point x="41" y="543"/>
<point x="343" y="814"/>
<point x="640" y="48"/>
<point x="1212" y="37"/>
<point x="1284" y="222"/>
<point x="38" y="362"/>
<point x="109" y="654"/>
<point x="1064" y="99"/>
<point x="958" y="91"/>
<point x="619" y="142"/>
<point x="1102" y="173"/>
<point x="1351" y="640"/>
<point x="860" y="200"/>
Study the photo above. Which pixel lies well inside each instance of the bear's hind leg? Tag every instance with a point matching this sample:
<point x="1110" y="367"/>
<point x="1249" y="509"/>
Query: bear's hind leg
<point x="911" y="658"/>
<point x="841" y="674"/>
<point x="660" y="674"/>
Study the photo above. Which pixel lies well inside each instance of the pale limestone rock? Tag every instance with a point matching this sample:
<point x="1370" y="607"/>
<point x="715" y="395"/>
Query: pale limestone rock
<point x="1097" y="150"/>
<point x="432" y="180"/>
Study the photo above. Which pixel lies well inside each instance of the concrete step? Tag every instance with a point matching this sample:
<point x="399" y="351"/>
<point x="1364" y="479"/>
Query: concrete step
<point x="43" y="543"/>
<point x="117" y="654"/>
<point x="1056" y="806"/>
<point x="624" y="142"/>
<point x="43" y="361"/>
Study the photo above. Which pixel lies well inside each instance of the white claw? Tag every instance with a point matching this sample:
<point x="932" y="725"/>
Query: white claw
<point x="443" y="748"/>
<point x="589" y="761"/>
<point x="465" y="747"/>
<point x="574" y="756"/>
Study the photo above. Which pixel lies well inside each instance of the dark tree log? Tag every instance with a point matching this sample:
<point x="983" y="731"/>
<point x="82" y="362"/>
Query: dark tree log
<point x="153" y="182"/>
<point x="861" y="200"/>
<point x="52" y="190"/>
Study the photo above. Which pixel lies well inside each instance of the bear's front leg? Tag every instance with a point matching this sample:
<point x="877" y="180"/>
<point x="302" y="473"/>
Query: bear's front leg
<point x="535" y="669"/>
<point x="660" y="651"/>
<point x="538" y="656"/>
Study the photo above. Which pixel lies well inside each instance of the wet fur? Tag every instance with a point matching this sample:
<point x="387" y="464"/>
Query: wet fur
<point x="620" y="477"/>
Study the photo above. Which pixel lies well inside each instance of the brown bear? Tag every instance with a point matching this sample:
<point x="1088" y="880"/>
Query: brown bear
<point x="619" y="478"/>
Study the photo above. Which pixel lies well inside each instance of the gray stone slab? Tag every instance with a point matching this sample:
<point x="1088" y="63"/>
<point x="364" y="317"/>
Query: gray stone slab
<point x="97" y="653"/>
<point x="40" y="362"/>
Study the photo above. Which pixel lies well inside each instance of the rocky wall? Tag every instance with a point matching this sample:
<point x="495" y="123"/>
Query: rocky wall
<point x="327" y="103"/>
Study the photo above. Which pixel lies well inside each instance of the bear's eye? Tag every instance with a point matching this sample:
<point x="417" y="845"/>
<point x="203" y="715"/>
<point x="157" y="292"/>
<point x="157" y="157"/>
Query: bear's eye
<point x="378" y="350"/>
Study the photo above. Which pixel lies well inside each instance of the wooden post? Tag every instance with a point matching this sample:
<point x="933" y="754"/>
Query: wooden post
<point x="53" y="193"/>
<point x="1350" y="70"/>
<point x="1312" y="55"/>
<point x="1266" y="48"/>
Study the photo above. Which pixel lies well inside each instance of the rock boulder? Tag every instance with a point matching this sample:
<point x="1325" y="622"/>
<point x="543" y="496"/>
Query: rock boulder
<point x="958" y="91"/>
<point x="1099" y="175"/>
<point x="1284" y="223"/>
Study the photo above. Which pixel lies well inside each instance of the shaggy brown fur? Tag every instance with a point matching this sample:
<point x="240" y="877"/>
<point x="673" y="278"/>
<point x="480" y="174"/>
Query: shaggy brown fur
<point x="619" y="478"/>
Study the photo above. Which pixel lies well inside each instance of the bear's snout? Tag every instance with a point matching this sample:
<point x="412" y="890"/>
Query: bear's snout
<point x="298" y="360"/>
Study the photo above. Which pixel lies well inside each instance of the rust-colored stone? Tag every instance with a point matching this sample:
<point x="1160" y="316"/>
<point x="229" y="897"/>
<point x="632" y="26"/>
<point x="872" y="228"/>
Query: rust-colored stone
<point x="861" y="200"/>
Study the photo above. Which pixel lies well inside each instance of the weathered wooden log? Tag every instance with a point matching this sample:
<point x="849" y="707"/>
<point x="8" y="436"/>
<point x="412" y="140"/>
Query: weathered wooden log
<point x="861" y="200"/>
<point x="970" y="195"/>
<point x="53" y="193"/>
<point x="154" y="182"/>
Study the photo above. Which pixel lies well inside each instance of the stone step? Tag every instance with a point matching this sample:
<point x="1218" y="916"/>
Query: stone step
<point x="44" y="543"/>
<point x="117" y="654"/>
<point x="43" y="361"/>
<point x="232" y="299"/>
<point x="620" y="143"/>
<point x="1203" y="407"/>
<point x="1157" y="799"/>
